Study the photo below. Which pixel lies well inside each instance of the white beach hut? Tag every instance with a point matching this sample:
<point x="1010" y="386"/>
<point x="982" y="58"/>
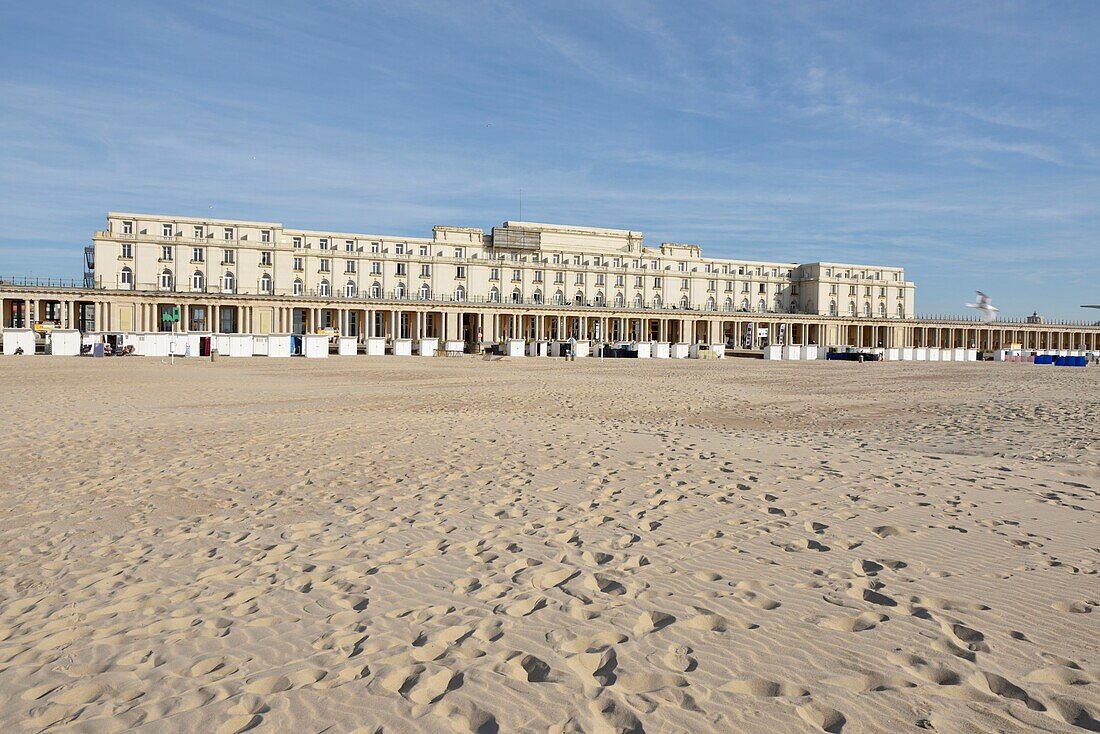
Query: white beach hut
<point x="428" y="347"/>
<point x="261" y="345"/>
<point x="644" y="350"/>
<point x="907" y="354"/>
<point x="240" y="345"/>
<point x="376" y="346"/>
<point x="792" y="351"/>
<point x="679" y="350"/>
<point x="662" y="350"/>
<point x="15" y="339"/>
<point x="315" y="346"/>
<point x="278" y="345"/>
<point x="892" y="354"/>
<point x="773" y="352"/>
<point x="63" y="343"/>
<point x="810" y="351"/>
<point x="402" y="347"/>
<point x="920" y="354"/>
<point x="347" y="346"/>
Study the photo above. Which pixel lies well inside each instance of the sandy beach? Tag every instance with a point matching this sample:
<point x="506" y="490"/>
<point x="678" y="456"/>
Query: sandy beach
<point x="453" y="545"/>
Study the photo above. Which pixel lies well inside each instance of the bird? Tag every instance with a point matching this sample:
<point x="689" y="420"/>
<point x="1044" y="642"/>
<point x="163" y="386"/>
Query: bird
<point x="985" y="305"/>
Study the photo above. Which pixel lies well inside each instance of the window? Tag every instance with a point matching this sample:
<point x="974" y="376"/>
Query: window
<point x="228" y="256"/>
<point x="682" y="267"/>
<point x="761" y="306"/>
<point x="882" y="293"/>
<point x="349" y="246"/>
<point x="349" y="266"/>
<point x="851" y="308"/>
<point x="578" y="298"/>
<point x="619" y="281"/>
<point x="516" y="275"/>
<point x="265" y="283"/>
<point x="376" y="268"/>
<point x="901" y="311"/>
<point x="423" y="251"/>
<point x="851" y="290"/>
<point x="684" y="304"/>
<point x="712" y="285"/>
<point x="349" y="289"/>
<point x="127" y="251"/>
<point x="399" y="248"/>
<point x="297" y="287"/>
<point x="494" y="295"/>
<point x="198" y="233"/>
<point x="579" y="279"/>
<point x="729" y="286"/>
<point x="683" y="283"/>
<point x="166" y="230"/>
<point x="198" y="281"/>
<point x="229" y="283"/>
<point x="832" y="308"/>
<point x="375" y="290"/>
<point x="619" y="300"/>
<point x="537" y="296"/>
<point x="460" y="271"/>
<point x="494" y="274"/>
<point x="711" y="304"/>
<point x="323" y="288"/>
<point x="638" y="300"/>
<point x="559" y="298"/>
<point x="297" y="263"/>
<point x="882" y="310"/>
<point x="425" y="271"/>
<point x="459" y="252"/>
<point x="599" y="298"/>
<point x="376" y="247"/>
<point x="867" y="308"/>
<point x="265" y="235"/>
<point x="326" y="265"/>
<point x="126" y="278"/>
<point x="599" y="278"/>
<point x="728" y="305"/>
<point x="166" y="280"/>
<point x="656" y="301"/>
<point x="460" y="293"/>
<point x="556" y="259"/>
<point x="559" y="277"/>
<point x="402" y="269"/>
<point x="637" y="281"/>
<point x="656" y="282"/>
<point x="538" y="276"/>
<point x="265" y="257"/>
<point x="516" y="295"/>
<point x="127" y="228"/>
<point x="322" y="243"/>
<point x="166" y="253"/>
<point x="763" y="288"/>
<point x="744" y="304"/>
<point x="227" y="233"/>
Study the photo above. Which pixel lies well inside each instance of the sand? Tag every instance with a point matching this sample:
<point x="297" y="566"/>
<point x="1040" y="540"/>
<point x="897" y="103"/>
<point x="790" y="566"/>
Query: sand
<point x="377" y="544"/>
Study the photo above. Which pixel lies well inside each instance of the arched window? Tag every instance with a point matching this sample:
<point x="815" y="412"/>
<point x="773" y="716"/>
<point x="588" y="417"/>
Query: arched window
<point x="349" y="289"/>
<point x="778" y="305"/>
<point x="710" y="304"/>
<point x="901" y="311"/>
<point x="460" y="293"/>
<point x="761" y="306"/>
<point x="638" y="300"/>
<point x="619" y="300"/>
<point x="866" y="308"/>
<point x="728" y="305"/>
<point x="126" y="279"/>
<point x="579" y="299"/>
<point x="516" y="295"/>
<point x="265" y="283"/>
<point x="297" y="287"/>
<point x="537" y="296"/>
<point x="656" y="301"/>
<point x="882" y="310"/>
<point x="376" y="289"/>
<point x="229" y="282"/>
<point x="166" y="280"/>
<point x="684" y="304"/>
<point x="832" y="308"/>
<point x="198" y="281"/>
<point x="744" y="304"/>
<point x="494" y="295"/>
<point x="425" y="292"/>
<point x="559" y="298"/>
<point x="323" y="289"/>
<point x="399" y="292"/>
<point x="599" y="298"/>
<point x="851" y="308"/>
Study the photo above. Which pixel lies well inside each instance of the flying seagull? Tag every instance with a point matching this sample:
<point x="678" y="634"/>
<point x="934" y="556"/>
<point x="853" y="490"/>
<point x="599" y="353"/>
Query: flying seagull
<point x="985" y="305"/>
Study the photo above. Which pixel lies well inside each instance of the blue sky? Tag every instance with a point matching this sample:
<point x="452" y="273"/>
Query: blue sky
<point x="959" y="140"/>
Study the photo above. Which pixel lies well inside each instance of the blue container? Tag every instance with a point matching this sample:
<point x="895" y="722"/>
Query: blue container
<point x="1059" y="361"/>
<point x="1080" y="361"/>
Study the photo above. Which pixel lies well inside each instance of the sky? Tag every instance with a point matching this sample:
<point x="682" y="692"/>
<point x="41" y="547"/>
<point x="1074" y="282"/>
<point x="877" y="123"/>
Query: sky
<point x="960" y="141"/>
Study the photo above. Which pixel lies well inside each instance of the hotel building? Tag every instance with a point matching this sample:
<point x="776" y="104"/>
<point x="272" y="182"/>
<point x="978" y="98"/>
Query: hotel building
<point x="519" y="280"/>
